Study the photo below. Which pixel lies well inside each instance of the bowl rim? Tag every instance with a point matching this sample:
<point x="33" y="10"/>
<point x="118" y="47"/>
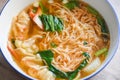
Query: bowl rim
<point x="4" y="6"/>
<point x="118" y="41"/>
<point x="85" y="78"/>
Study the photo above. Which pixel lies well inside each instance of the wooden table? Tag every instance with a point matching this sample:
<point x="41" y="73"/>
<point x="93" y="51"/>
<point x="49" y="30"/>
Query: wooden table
<point x="111" y="72"/>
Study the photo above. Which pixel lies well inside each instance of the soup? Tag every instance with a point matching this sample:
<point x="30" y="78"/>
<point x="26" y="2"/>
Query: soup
<point x="59" y="40"/>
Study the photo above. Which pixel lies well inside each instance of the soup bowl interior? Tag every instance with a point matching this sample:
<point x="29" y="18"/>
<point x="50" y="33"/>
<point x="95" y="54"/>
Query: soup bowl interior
<point x="13" y="7"/>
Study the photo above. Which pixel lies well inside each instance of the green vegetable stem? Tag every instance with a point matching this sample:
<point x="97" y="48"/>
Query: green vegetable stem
<point x="100" y="20"/>
<point x="101" y="51"/>
<point x="44" y="9"/>
<point x="51" y="23"/>
<point x="47" y="55"/>
<point x="72" y="4"/>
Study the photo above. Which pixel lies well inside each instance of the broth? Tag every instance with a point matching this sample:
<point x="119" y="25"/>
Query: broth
<point x="59" y="40"/>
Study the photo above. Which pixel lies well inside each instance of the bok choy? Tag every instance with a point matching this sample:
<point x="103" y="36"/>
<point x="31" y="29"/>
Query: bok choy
<point x="101" y="51"/>
<point x="72" y="4"/>
<point x="100" y="20"/>
<point x="44" y="9"/>
<point x="51" y="23"/>
<point x="48" y="56"/>
<point x="92" y="66"/>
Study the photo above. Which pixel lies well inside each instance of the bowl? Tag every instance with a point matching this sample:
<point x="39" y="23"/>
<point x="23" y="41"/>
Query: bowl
<point x="13" y="7"/>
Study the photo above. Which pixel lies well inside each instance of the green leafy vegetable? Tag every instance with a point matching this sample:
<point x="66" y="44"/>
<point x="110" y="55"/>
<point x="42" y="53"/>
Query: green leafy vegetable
<point x="13" y="42"/>
<point x="51" y="23"/>
<point x="47" y="55"/>
<point x="101" y="51"/>
<point x="73" y="74"/>
<point x="57" y="72"/>
<point x="92" y="10"/>
<point x="34" y="10"/>
<point x="86" y="55"/>
<point x="44" y="9"/>
<point x="72" y="4"/>
<point x="100" y="20"/>
<point x="85" y="43"/>
<point x="106" y="53"/>
<point x="45" y="23"/>
<point x="53" y="45"/>
<point x="58" y="24"/>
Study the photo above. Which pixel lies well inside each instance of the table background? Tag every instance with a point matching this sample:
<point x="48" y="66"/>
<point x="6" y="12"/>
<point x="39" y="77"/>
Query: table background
<point x="111" y="72"/>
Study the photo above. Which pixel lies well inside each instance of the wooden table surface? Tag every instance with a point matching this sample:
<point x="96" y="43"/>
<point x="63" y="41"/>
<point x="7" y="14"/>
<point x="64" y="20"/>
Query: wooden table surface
<point x="111" y="72"/>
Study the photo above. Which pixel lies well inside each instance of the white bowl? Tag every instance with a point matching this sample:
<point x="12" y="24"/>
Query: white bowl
<point x="13" y="7"/>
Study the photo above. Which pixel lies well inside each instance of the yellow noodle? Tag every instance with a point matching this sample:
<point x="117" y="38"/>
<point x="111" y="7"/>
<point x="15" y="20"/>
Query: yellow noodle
<point x="79" y="26"/>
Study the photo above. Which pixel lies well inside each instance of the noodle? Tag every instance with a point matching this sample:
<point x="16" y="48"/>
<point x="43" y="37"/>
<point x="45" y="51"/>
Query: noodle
<point x="79" y="26"/>
<point x="73" y="40"/>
